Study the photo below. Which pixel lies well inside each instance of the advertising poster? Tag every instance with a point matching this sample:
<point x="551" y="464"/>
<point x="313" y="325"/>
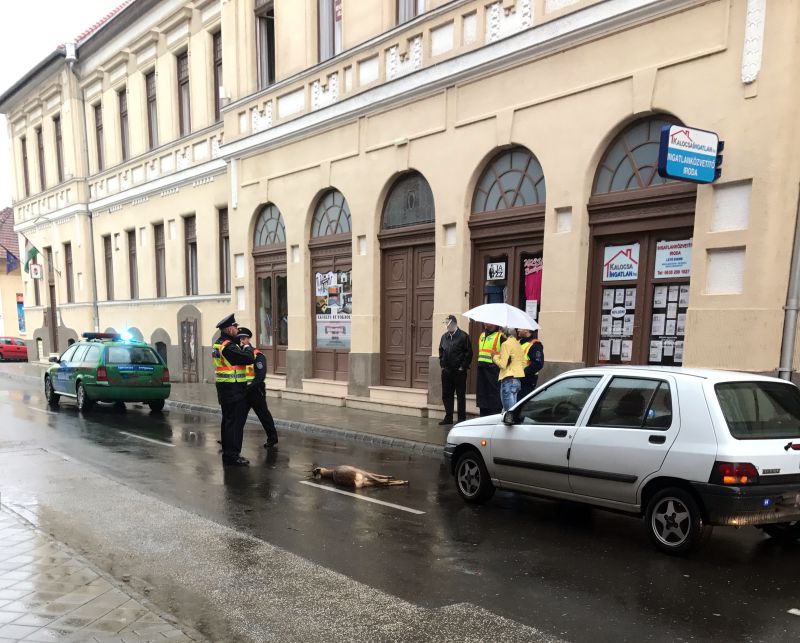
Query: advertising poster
<point x="621" y="263"/>
<point x="605" y="350"/>
<point x="660" y="297"/>
<point x="627" y="350"/>
<point x="608" y="298"/>
<point x="334" y="305"/>
<point x="630" y="298"/>
<point x="20" y="312"/>
<point x="656" y="348"/>
<point x="673" y="259"/>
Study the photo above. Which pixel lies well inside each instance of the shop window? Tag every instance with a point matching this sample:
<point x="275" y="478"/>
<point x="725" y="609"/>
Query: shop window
<point x="269" y="227"/>
<point x="332" y="216"/>
<point x="409" y="203"/>
<point x="631" y="161"/>
<point x="514" y="179"/>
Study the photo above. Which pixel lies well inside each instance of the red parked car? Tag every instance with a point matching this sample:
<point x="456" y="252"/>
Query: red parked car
<point x="13" y="349"/>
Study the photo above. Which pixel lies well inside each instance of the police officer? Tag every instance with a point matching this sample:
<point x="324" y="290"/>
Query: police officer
<point x="230" y="374"/>
<point x="534" y="351"/>
<point x="257" y="389"/>
<point x="487" y="393"/>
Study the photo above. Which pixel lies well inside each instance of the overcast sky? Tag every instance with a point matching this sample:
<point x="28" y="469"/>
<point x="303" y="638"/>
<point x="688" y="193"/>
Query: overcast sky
<point x="29" y="31"/>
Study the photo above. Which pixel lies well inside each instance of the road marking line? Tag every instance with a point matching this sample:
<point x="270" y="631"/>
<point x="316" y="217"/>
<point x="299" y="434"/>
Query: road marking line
<point x="365" y="498"/>
<point x="794" y="611"/>
<point x="140" y="437"/>
<point x="31" y="408"/>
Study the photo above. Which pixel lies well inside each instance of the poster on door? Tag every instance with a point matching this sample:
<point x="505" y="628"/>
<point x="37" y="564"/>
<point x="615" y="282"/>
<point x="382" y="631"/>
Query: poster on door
<point x="334" y="305"/>
<point x="673" y="259"/>
<point x="621" y="263"/>
<point x="617" y="325"/>
<point x="668" y="324"/>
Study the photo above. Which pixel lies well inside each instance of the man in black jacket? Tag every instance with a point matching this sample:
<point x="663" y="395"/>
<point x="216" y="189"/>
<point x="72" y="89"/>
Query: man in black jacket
<point x="535" y="353"/>
<point x="455" y="356"/>
<point x="257" y="388"/>
<point x="230" y="374"/>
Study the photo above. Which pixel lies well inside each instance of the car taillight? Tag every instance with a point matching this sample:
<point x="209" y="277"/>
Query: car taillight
<point x="165" y="376"/>
<point x="102" y="376"/>
<point x="734" y="473"/>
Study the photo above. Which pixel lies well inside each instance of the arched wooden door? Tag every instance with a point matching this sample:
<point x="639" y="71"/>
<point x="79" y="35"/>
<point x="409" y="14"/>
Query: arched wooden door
<point x="272" y="316"/>
<point x="408" y="270"/>
<point x="331" y="286"/>
<point x="640" y="255"/>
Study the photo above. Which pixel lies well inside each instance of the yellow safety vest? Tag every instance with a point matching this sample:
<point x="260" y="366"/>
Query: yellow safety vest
<point x="528" y="349"/>
<point x="487" y="344"/>
<point x="224" y="371"/>
<point x="251" y="368"/>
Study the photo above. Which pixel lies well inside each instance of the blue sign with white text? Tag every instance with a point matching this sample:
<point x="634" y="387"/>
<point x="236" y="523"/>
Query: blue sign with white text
<point x="688" y="154"/>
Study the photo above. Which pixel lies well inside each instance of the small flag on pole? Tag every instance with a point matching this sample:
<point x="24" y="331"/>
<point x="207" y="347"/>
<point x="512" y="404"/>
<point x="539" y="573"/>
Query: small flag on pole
<point x="30" y="253"/>
<point x="12" y="261"/>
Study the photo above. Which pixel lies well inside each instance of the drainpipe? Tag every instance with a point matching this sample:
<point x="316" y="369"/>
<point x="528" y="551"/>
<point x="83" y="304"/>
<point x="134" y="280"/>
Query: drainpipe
<point x="791" y="307"/>
<point x="71" y="57"/>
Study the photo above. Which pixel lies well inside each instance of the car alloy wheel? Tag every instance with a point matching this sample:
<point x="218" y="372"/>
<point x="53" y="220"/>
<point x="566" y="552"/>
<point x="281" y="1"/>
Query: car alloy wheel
<point x="84" y="404"/>
<point x="472" y="478"/>
<point x="671" y="522"/>
<point x="49" y="394"/>
<point x="675" y="522"/>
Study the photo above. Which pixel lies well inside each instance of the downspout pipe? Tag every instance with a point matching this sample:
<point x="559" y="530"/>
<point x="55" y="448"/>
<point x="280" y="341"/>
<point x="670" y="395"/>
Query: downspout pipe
<point x="792" y="306"/>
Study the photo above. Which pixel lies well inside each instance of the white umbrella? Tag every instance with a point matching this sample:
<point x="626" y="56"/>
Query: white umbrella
<point x="502" y="315"/>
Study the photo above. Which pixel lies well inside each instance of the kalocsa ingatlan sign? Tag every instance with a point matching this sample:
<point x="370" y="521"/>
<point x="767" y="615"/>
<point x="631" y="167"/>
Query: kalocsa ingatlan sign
<point x="689" y="154"/>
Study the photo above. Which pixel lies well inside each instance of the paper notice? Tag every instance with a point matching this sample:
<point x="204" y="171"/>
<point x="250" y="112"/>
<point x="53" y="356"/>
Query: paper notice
<point x="672" y="311"/>
<point x="679" y="351"/>
<point x="669" y="328"/>
<point x="532" y="307"/>
<point x="655" y="350"/>
<point x="658" y="324"/>
<point x="680" y="327"/>
<point x="673" y="293"/>
<point x="627" y="325"/>
<point x="619" y="296"/>
<point x="627" y="350"/>
<point x="605" y="325"/>
<point x="605" y="350"/>
<point x="616" y="329"/>
<point x="683" y="297"/>
<point x="660" y="297"/>
<point x="669" y="347"/>
<point x="630" y="298"/>
<point x="608" y="298"/>
<point x="616" y="346"/>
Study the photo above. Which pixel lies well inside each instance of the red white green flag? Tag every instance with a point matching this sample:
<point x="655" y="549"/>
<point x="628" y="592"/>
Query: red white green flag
<point x="30" y="253"/>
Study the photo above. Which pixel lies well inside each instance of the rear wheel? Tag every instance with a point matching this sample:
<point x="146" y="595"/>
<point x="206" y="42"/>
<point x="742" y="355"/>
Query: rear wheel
<point x="156" y="405"/>
<point x="785" y="532"/>
<point x="472" y="478"/>
<point x="49" y="393"/>
<point x="675" y="523"/>
<point x="84" y="403"/>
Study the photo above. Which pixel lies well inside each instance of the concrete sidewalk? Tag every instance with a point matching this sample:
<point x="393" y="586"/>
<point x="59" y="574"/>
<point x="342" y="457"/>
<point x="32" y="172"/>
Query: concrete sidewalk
<point x="421" y="435"/>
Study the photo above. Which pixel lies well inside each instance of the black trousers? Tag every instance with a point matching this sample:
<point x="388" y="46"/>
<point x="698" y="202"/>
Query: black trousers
<point x="257" y="400"/>
<point x="454" y="382"/>
<point x="234" y="415"/>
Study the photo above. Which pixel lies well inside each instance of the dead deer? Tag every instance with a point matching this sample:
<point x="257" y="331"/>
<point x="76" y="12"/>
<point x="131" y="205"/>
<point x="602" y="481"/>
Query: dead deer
<point x="347" y="476"/>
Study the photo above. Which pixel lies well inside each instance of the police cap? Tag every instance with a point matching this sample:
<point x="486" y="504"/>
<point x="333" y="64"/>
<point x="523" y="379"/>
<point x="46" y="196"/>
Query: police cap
<point x="230" y="320"/>
<point x="244" y="332"/>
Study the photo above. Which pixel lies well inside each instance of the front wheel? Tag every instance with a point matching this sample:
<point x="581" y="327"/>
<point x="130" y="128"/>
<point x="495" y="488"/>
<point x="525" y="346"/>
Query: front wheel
<point x="84" y="403"/>
<point x="675" y="523"/>
<point x="785" y="532"/>
<point x="472" y="478"/>
<point x="51" y="396"/>
<point x="156" y="405"/>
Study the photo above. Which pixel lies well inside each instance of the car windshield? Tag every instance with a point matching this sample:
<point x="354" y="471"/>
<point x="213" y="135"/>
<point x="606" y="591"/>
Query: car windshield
<point x="760" y="410"/>
<point x="131" y="355"/>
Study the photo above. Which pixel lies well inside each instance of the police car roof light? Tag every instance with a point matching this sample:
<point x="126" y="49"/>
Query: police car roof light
<point x="101" y="336"/>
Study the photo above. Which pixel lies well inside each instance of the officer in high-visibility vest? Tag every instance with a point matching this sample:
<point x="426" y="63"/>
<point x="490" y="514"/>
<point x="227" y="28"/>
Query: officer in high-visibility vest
<point x="257" y="388"/>
<point x="534" y="351"/>
<point x="487" y="394"/>
<point x="230" y="375"/>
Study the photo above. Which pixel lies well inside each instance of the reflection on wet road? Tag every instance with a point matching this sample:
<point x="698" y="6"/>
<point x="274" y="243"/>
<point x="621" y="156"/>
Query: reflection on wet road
<point x="570" y="571"/>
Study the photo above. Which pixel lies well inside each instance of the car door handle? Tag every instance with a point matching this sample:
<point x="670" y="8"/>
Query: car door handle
<point x="658" y="439"/>
<point x="560" y="433"/>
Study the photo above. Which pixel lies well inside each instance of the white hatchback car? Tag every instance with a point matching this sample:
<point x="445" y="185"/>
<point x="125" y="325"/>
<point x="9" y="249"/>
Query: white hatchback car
<point x="685" y="448"/>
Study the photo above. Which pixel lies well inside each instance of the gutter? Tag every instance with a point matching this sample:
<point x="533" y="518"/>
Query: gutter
<point x="11" y="91"/>
<point x="792" y="307"/>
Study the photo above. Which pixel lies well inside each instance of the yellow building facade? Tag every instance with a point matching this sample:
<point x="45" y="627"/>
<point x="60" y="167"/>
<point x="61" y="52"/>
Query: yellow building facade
<point x="344" y="174"/>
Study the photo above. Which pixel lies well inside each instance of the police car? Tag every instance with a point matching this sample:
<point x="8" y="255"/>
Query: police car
<point x="105" y="367"/>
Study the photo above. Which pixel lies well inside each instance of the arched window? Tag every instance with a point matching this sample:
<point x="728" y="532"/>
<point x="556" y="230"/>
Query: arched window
<point x="514" y="179"/>
<point x="269" y="227"/>
<point x="631" y="161"/>
<point x="409" y="203"/>
<point x="332" y="215"/>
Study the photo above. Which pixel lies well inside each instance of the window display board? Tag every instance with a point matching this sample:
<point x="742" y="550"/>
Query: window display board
<point x="617" y="320"/>
<point x="668" y="323"/>
<point x="334" y="305"/>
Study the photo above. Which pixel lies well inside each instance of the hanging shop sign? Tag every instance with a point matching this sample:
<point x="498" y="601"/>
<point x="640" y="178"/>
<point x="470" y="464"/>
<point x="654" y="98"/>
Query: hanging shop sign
<point x="689" y="154"/>
<point x="621" y="263"/>
<point x="673" y="259"/>
<point x="496" y="271"/>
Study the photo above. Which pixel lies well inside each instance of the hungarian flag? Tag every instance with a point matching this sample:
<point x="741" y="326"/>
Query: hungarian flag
<point x="30" y="253"/>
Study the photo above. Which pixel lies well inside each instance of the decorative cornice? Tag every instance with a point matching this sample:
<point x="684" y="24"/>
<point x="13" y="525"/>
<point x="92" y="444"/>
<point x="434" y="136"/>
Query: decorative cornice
<point x="753" y="46"/>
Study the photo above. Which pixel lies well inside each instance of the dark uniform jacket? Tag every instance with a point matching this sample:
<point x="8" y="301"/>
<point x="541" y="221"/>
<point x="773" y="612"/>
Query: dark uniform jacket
<point x="536" y="363"/>
<point x="455" y="351"/>
<point x="259" y="370"/>
<point x="228" y="392"/>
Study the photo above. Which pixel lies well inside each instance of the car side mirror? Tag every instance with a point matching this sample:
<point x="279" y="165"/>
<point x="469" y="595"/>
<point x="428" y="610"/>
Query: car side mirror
<point x="509" y="419"/>
<point x="53" y="359"/>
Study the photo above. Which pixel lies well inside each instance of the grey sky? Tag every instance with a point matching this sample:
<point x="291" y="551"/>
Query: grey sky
<point x="28" y="32"/>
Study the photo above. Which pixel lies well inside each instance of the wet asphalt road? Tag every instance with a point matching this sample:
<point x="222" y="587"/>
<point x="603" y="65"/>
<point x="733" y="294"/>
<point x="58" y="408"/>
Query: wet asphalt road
<point x="571" y="572"/>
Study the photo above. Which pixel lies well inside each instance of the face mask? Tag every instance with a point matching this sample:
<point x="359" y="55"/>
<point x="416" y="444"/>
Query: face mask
<point x="451" y="327"/>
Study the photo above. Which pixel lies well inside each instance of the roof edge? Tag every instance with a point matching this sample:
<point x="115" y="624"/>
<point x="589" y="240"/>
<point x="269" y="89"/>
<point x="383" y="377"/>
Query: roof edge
<point x="59" y="52"/>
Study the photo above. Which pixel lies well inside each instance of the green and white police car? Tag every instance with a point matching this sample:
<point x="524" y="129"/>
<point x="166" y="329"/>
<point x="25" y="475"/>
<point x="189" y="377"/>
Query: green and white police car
<point x="104" y="367"/>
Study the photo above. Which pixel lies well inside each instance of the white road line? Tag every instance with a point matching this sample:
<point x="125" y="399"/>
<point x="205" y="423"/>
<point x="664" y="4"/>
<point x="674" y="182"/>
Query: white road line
<point x="140" y="437"/>
<point x="365" y="498"/>
<point x="32" y="408"/>
<point x="794" y="611"/>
